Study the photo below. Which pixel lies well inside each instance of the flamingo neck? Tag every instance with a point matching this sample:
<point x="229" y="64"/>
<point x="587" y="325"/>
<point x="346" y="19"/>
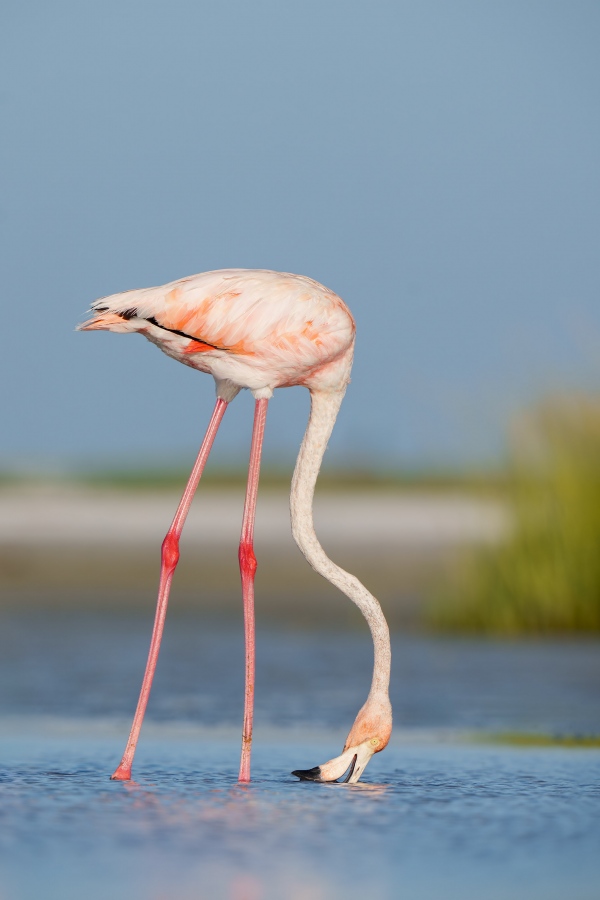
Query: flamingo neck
<point x="323" y="413"/>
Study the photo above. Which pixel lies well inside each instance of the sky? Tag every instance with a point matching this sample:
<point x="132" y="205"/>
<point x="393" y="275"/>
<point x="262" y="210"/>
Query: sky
<point x="434" y="163"/>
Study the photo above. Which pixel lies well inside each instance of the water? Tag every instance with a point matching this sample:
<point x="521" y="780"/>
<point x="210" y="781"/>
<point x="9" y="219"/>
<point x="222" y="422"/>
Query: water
<point x="436" y="816"/>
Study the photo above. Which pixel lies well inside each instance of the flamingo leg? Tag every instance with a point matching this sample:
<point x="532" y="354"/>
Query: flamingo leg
<point x="247" y="570"/>
<point x="169" y="560"/>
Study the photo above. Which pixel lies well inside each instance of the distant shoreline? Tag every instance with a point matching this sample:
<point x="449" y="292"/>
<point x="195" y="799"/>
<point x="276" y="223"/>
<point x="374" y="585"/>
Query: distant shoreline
<point x="70" y="547"/>
<point x="74" y="515"/>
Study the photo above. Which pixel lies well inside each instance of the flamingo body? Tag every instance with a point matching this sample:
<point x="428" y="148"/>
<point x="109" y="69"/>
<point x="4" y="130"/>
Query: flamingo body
<point x="253" y="329"/>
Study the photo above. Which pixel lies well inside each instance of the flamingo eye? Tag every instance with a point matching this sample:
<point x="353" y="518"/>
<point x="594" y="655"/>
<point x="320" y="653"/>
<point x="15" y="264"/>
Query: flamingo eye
<point x="374" y="741"/>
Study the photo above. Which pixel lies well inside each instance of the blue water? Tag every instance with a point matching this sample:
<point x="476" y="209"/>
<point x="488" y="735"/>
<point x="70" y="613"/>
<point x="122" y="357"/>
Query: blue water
<point x="436" y="816"/>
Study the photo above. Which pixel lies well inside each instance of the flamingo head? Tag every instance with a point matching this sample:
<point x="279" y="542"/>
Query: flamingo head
<point x="369" y="735"/>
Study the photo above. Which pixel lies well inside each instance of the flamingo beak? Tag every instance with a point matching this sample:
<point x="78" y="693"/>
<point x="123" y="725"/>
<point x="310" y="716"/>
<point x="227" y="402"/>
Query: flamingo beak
<point x="350" y="764"/>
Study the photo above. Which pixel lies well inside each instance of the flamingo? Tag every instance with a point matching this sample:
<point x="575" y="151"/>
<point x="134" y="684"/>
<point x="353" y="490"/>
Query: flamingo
<point x="260" y="330"/>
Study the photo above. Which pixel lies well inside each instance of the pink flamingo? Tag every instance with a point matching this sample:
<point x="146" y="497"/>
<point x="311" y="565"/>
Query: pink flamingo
<point x="260" y="330"/>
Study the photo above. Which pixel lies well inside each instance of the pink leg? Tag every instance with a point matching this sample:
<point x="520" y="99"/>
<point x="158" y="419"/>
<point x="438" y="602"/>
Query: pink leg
<point x="247" y="570"/>
<point x="169" y="560"/>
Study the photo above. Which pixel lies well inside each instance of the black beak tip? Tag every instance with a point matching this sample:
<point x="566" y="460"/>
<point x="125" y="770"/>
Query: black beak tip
<point x="313" y="774"/>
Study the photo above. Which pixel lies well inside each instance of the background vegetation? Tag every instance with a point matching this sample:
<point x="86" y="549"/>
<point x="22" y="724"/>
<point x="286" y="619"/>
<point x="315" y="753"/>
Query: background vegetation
<point x="546" y="576"/>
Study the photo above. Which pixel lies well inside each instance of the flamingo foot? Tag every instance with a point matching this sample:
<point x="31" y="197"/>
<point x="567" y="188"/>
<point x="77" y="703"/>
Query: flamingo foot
<point x="122" y="773"/>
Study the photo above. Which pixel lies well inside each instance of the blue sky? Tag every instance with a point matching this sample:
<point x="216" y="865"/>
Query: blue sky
<point x="434" y="163"/>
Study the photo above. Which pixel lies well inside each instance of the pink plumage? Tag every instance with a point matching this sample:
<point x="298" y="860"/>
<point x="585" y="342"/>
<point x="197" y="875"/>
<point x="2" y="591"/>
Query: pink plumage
<point x="254" y="328"/>
<point x="260" y="330"/>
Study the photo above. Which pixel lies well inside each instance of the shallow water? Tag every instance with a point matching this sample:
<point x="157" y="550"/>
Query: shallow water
<point x="90" y="665"/>
<point x="435" y="816"/>
<point x="430" y="822"/>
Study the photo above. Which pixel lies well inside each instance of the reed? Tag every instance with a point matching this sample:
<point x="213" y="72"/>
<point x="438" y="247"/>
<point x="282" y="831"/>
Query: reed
<point x="545" y="577"/>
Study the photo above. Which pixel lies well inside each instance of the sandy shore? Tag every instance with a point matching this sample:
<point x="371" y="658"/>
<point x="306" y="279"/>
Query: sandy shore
<point x="75" y="516"/>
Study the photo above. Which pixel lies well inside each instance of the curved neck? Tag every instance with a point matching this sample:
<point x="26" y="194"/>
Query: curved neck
<point x="323" y="412"/>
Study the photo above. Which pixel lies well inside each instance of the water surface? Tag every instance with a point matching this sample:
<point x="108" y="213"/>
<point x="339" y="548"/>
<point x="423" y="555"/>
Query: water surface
<point x="436" y="816"/>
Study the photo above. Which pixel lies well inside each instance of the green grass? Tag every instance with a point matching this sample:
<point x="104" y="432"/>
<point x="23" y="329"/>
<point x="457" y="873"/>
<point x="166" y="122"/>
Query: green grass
<point x="233" y="476"/>
<point x="545" y="577"/>
<point x="525" y="739"/>
<point x="331" y="478"/>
